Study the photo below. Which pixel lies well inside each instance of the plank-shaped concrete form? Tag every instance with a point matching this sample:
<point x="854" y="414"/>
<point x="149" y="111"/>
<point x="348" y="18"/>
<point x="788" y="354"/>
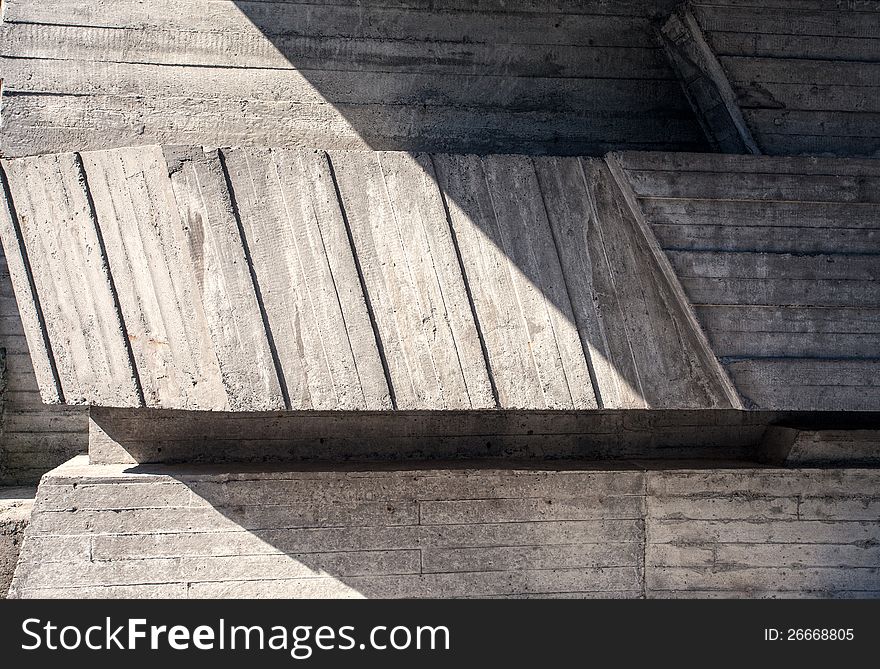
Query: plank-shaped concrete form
<point x="780" y="259"/>
<point x="67" y="280"/>
<point x="413" y="280"/>
<point x="781" y="78"/>
<point x="542" y="76"/>
<point x="258" y="279"/>
<point x="507" y="531"/>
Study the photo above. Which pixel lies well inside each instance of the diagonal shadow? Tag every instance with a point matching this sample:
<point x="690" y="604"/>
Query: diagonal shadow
<point x="494" y="77"/>
<point x="483" y="77"/>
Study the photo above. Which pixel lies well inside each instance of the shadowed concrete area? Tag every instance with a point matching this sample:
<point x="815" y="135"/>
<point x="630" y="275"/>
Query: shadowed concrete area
<point x="258" y="279"/>
<point x="132" y="436"/>
<point x="534" y="77"/>
<point x="253" y="280"/>
<point x="540" y="76"/>
<point x="471" y="530"/>
<point x="556" y="287"/>
<point x="158" y="436"/>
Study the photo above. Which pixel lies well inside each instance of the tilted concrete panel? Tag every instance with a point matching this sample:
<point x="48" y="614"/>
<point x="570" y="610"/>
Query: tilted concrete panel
<point x="257" y="279"/>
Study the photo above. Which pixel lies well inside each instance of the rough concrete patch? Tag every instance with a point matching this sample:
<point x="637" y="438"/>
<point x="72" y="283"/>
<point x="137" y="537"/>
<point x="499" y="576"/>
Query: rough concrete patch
<point x="16" y="505"/>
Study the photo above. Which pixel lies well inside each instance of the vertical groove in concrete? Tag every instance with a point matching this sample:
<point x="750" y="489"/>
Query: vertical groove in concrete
<point x="258" y="294"/>
<point x="93" y="217"/>
<point x="363" y="286"/>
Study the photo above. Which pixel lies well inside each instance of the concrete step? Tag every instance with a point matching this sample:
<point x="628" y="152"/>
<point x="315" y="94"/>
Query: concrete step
<point x="627" y="529"/>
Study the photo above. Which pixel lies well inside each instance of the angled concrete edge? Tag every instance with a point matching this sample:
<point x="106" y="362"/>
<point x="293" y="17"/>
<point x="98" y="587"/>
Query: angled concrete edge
<point x="705" y="84"/>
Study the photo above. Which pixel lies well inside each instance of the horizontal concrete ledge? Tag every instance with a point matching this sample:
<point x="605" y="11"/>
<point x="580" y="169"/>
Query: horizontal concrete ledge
<point x="622" y="529"/>
<point x="131" y="436"/>
<point x="79" y="468"/>
<point x="83" y="472"/>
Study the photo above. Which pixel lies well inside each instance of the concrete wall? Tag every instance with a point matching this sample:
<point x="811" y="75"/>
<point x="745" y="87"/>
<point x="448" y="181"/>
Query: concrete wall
<point x="258" y="279"/>
<point x="528" y="77"/>
<point x="541" y="76"/>
<point x="388" y="280"/>
<point x="781" y="261"/>
<point x="469" y="531"/>
<point x="806" y="75"/>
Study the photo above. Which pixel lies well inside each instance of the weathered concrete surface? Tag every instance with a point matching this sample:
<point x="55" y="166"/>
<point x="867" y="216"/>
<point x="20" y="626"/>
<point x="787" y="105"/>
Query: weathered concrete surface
<point x="16" y="504"/>
<point x="536" y="77"/>
<point x="780" y="259"/>
<point x="475" y="530"/>
<point x="782" y="78"/>
<point x="35" y="437"/>
<point x="763" y="533"/>
<point x="413" y="282"/>
<point x="55" y="226"/>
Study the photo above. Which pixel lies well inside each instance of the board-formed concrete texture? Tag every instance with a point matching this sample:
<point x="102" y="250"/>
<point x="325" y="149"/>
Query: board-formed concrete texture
<point x="545" y="76"/>
<point x="254" y="279"/>
<point x="472" y="531"/>
<point x="779" y="77"/>
<point x="780" y="258"/>
<point x="34" y="437"/>
<point x="425" y="346"/>
<point x="257" y="279"/>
